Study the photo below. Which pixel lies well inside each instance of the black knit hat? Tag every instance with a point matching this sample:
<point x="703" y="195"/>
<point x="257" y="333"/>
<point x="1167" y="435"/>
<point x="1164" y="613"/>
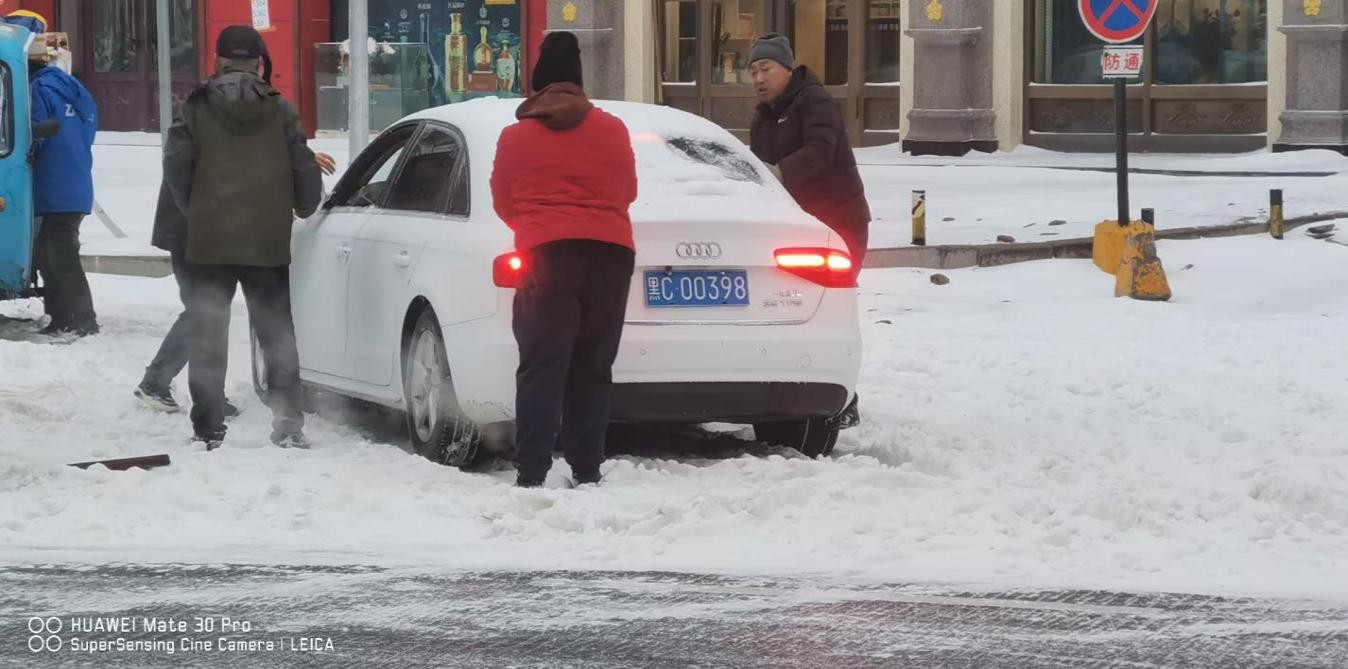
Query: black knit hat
<point x="558" y="61"/>
<point x="244" y="43"/>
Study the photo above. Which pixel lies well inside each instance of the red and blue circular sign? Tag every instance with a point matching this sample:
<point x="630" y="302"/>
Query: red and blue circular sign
<point x="1117" y="21"/>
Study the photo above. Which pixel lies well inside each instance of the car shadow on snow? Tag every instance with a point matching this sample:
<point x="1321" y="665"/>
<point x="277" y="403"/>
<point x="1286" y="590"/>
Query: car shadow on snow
<point x="657" y="441"/>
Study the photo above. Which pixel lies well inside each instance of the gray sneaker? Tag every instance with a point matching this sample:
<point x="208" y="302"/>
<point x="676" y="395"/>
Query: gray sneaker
<point x="157" y="398"/>
<point x="290" y="440"/>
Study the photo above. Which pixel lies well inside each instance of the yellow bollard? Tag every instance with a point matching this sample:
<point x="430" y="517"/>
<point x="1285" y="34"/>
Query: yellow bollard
<point x="1140" y="274"/>
<point x="919" y="218"/>
<point x="1107" y="249"/>
<point x="1275" y="220"/>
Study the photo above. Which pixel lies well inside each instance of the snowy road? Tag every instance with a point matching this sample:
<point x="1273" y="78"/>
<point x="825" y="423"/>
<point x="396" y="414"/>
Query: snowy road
<point x="395" y="618"/>
<point x="1022" y="430"/>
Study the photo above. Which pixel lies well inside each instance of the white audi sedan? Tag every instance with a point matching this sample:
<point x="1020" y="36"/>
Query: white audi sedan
<point x="743" y="308"/>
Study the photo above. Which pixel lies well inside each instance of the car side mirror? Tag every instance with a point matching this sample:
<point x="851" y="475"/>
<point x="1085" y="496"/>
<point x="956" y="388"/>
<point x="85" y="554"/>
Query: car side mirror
<point x="47" y="129"/>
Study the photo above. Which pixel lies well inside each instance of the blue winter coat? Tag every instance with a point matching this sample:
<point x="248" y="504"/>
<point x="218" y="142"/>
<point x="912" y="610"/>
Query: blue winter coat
<point x="63" y="173"/>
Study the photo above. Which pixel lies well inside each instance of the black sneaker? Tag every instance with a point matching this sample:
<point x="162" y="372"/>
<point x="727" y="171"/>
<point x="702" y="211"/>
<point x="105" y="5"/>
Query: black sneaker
<point x="290" y="440"/>
<point x="850" y="417"/>
<point x="231" y="411"/>
<point x="63" y="330"/>
<point x="157" y="398"/>
<point x="587" y="478"/>
<point x="526" y="482"/>
<point x="211" y="442"/>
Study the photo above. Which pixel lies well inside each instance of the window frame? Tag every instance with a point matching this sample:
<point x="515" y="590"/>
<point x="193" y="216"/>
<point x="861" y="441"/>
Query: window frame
<point x="8" y="110"/>
<point x="459" y="174"/>
<point x="359" y="173"/>
<point x="1153" y="107"/>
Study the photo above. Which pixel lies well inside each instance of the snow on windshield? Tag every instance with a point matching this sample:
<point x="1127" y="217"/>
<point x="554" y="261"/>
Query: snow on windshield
<point x="688" y="165"/>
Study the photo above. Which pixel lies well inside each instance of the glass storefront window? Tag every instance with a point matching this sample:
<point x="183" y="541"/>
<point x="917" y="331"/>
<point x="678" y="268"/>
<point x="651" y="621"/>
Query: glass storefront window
<point x="735" y="23"/>
<point x="183" y="36"/>
<point x="1067" y="52"/>
<point x="1196" y="42"/>
<point x="116" y="21"/>
<point x="680" y="42"/>
<point x="883" y="32"/>
<point x="818" y="30"/>
<point x="1211" y="41"/>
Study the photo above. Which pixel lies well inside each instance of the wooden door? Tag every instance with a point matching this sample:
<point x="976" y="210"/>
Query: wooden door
<point x="119" y="62"/>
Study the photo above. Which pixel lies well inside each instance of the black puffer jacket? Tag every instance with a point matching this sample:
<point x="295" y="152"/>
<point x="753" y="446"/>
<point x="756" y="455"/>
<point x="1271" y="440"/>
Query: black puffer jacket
<point x="803" y="134"/>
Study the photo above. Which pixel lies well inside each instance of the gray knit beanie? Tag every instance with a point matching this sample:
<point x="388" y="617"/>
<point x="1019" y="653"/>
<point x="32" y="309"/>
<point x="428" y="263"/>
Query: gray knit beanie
<point x="773" y="46"/>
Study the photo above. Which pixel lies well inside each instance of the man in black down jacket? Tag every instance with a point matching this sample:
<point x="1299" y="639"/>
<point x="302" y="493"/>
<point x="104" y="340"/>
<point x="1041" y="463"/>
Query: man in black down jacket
<point x="799" y="131"/>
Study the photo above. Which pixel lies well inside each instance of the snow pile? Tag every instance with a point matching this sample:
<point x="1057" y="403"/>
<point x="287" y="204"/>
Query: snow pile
<point x="1021" y="428"/>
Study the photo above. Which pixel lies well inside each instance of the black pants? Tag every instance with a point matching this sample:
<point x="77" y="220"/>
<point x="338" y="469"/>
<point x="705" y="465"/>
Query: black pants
<point x="569" y="317"/>
<point x="65" y="288"/>
<point x="267" y="292"/>
<point x="173" y="353"/>
<point x="857" y="242"/>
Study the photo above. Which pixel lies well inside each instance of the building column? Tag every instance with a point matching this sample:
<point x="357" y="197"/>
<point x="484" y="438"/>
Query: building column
<point x="1316" y="113"/>
<point x="1008" y="80"/>
<point x="639" y="45"/>
<point x="952" y="110"/>
<point x="600" y="26"/>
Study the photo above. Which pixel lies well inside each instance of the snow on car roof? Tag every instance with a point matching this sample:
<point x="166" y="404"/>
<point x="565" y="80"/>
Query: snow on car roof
<point x="707" y="171"/>
<point x="489" y="116"/>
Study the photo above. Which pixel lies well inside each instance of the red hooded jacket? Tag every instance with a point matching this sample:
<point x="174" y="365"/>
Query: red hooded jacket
<point x="565" y="171"/>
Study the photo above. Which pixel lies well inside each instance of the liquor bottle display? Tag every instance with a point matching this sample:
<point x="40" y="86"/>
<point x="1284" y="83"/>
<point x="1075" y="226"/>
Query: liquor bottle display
<point x="505" y="69"/>
<point x="456" y="57"/>
<point x="483" y="56"/>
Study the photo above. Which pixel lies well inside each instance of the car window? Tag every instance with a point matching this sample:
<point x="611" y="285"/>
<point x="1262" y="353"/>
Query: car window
<point x="6" y="110"/>
<point x="428" y="181"/>
<point x="707" y="152"/>
<point x="367" y="184"/>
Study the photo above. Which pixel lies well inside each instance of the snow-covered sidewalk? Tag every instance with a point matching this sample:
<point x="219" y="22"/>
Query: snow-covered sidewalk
<point x="1022" y="428"/>
<point x="970" y="200"/>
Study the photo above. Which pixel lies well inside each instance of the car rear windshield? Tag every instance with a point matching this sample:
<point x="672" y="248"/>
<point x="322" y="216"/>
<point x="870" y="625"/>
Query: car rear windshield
<point x="732" y="164"/>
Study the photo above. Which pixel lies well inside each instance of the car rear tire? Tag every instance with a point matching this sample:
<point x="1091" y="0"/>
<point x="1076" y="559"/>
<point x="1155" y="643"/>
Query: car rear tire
<point x="813" y="437"/>
<point x="438" y="430"/>
<point x="262" y="388"/>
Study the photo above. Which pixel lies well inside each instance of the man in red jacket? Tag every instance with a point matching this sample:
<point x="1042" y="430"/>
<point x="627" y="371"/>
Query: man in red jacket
<point x="564" y="177"/>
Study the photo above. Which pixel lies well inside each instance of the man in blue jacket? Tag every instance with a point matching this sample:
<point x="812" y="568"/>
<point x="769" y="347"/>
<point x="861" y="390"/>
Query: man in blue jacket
<point x="63" y="194"/>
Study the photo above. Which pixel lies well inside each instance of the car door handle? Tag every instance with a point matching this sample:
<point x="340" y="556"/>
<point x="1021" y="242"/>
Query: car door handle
<point x="403" y="259"/>
<point x="343" y="252"/>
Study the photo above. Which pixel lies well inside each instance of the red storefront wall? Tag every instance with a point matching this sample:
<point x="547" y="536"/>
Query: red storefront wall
<point x="47" y="8"/>
<point x="296" y="26"/>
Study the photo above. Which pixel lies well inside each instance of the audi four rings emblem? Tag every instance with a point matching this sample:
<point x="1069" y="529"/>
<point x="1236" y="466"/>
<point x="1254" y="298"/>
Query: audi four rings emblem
<point x="698" y="250"/>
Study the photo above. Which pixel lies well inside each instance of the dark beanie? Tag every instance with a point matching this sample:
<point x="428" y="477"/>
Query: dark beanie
<point x="244" y="43"/>
<point x="558" y="61"/>
<point x="773" y="46"/>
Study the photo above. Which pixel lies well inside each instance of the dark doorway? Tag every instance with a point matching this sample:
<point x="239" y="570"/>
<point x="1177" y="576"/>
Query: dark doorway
<point x="118" y="58"/>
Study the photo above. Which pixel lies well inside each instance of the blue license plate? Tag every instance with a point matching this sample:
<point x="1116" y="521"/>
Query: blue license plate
<point x="698" y="288"/>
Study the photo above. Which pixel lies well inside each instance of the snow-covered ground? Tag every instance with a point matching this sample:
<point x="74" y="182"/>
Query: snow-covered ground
<point x="1022" y="428"/>
<point x="1026" y="194"/>
<point x="1019" y="193"/>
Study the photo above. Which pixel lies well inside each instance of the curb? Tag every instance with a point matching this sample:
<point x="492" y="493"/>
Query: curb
<point x="960" y="256"/>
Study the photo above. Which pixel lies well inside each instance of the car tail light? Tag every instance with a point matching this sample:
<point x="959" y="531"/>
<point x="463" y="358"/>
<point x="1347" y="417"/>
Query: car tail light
<point x="507" y="270"/>
<point x="830" y="268"/>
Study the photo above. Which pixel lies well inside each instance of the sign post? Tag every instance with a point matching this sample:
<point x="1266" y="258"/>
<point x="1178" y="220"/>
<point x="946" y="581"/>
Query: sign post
<point x="1126" y="249"/>
<point x="1118" y="22"/>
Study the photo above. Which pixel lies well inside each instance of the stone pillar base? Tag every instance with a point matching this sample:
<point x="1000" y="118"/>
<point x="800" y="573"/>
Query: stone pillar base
<point x="1284" y="148"/>
<point x="920" y="147"/>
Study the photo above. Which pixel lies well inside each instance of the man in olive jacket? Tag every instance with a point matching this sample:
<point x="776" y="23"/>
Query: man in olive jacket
<point x="237" y="163"/>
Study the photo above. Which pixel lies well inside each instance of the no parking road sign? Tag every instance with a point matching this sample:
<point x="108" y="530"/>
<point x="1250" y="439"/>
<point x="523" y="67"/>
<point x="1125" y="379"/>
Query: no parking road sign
<point x="1117" y="21"/>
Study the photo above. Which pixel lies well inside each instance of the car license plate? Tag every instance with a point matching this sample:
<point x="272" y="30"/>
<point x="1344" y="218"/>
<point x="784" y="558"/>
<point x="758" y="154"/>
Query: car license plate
<point x="697" y="288"/>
